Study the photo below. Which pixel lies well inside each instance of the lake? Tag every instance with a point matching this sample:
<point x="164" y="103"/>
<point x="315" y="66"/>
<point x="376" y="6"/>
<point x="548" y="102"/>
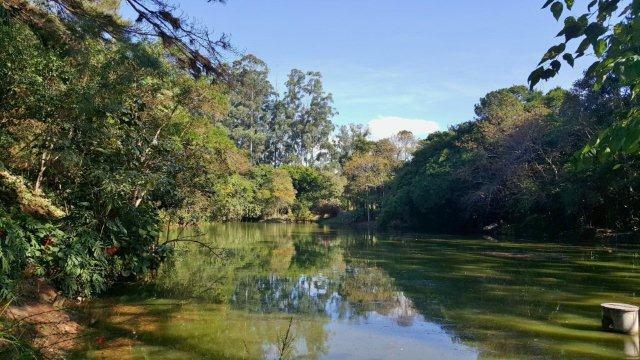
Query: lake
<point x="286" y="291"/>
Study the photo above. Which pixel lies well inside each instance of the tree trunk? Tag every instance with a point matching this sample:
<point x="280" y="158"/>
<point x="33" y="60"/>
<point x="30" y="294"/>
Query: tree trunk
<point x="275" y="156"/>
<point x="368" y="206"/>
<point x="137" y="196"/>
<point x="43" y="166"/>
<point x="368" y="213"/>
<point x="168" y="228"/>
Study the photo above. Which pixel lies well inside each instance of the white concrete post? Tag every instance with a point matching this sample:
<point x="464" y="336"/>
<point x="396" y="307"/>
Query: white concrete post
<point x="621" y="318"/>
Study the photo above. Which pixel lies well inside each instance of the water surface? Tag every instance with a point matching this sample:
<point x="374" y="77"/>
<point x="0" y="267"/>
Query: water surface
<point x="310" y="292"/>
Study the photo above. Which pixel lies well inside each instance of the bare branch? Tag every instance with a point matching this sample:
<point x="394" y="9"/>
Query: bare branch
<point x="191" y="46"/>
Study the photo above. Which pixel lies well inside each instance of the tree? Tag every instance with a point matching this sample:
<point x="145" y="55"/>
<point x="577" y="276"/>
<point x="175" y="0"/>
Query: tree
<point x="309" y="111"/>
<point x="406" y="143"/>
<point x="386" y="149"/>
<point x="512" y="166"/>
<point x="249" y="98"/>
<point x="279" y="147"/>
<point x="609" y="29"/>
<point x="314" y="187"/>
<point x="350" y="139"/>
<point x="366" y="175"/>
<point x="114" y="134"/>
<point x="274" y="191"/>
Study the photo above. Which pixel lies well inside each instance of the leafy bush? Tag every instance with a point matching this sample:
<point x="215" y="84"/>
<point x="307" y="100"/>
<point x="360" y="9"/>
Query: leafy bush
<point x="314" y="189"/>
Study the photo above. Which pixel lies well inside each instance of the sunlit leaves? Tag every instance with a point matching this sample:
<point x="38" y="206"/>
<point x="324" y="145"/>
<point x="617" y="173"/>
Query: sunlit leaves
<point x="630" y="68"/>
<point x="600" y="47"/>
<point x="592" y="34"/>
<point x="621" y="138"/>
<point x="613" y="35"/>
<point x="117" y="133"/>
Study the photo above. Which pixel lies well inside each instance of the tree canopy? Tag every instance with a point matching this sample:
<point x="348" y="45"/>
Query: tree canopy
<point x="609" y="30"/>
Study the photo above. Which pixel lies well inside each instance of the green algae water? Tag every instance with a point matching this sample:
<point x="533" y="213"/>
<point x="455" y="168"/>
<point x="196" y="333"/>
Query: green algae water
<point x="276" y="291"/>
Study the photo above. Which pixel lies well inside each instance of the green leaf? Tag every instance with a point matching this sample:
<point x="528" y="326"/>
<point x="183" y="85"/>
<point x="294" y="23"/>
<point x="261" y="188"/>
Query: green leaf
<point x="584" y="45"/>
<point x="630" y="71"/>
<point x="569" y="59"/>
<point x="553" y="52"/>
<point x="547" y="3"/>
<point x="572" y="28"/>
<point x="591" y="71"/>
<point x="569" y="3"/>
<point x="535" y="76"/>
<point x="549" y="73"/>
<point x="606" y="9"/>
<point x="593" y="68"/>
<point x="594" y="30"/>
<point x="556" y="65"/>
<point x="600" y="48"/>
<point x="583" y="20"/>
<point x="556" y="9"/>
<point x="591" y="4"/>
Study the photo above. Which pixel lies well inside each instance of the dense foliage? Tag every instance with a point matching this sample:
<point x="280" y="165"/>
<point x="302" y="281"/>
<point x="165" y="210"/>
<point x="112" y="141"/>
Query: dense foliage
<point x="514" y="165"/>
<point x="103" y="141"/>
<point x="608" y="29"/>
<point x="113" y="134"/>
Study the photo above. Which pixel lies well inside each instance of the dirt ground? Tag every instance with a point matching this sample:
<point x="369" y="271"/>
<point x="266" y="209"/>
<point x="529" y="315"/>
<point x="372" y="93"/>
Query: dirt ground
<point x="46" y="321"/>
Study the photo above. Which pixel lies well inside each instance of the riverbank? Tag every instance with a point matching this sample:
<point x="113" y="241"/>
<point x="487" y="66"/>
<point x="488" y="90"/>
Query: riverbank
<point x="351" y="220"/>
<point x="40" y="324"/>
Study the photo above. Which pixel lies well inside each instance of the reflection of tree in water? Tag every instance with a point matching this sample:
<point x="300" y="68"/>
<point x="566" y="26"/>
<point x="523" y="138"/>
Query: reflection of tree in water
<point x="497" y="296"/>
<point x="273" y="268"/>
<point x="271" y="273"/>
<point x="352" y="294"/>
<point x="370" y="289"/>
<point x="283" y="269"/>
<point x="306" y="295"/>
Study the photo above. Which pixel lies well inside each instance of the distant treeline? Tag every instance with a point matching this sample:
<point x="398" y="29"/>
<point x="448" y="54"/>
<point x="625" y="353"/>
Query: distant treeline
<point x="518" y="165"/>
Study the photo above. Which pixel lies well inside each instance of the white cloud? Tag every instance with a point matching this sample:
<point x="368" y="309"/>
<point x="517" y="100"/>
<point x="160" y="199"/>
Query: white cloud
<point x="387" y="126"/>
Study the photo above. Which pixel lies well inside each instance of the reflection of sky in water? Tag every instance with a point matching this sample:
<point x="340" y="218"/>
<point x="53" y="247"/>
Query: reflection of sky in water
<point x="396" y="330"/>
<point x="380" y="337"/>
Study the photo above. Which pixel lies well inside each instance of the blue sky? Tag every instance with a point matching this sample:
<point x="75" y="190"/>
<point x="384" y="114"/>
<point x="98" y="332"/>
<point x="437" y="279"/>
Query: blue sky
<point x="394" y="61"/>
